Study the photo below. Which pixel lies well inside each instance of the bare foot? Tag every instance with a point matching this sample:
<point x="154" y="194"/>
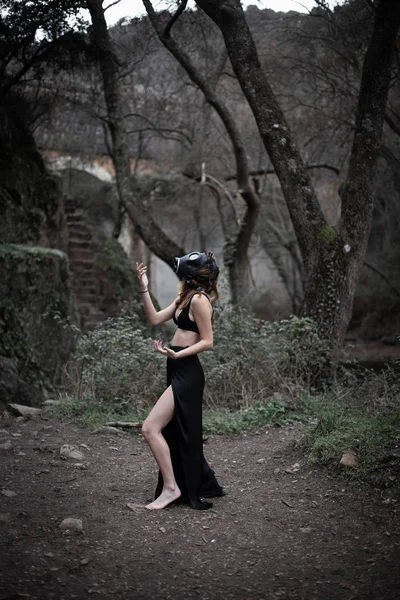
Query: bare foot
<point x="166" y="497"/>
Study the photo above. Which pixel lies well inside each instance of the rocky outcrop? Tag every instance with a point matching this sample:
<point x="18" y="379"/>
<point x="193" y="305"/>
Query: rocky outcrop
<point x="29" y="195"/>
<point x="14" y="388"/>
<point x="37" y="311"/>
<point x="36" y="321"/>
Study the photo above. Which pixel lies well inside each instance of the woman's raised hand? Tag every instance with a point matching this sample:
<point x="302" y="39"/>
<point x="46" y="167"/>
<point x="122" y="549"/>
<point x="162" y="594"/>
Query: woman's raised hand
<point x="141" y="271"/>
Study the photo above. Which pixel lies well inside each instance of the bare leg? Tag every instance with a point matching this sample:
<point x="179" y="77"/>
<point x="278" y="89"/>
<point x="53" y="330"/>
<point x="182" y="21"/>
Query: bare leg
<point x="159" y="417"/>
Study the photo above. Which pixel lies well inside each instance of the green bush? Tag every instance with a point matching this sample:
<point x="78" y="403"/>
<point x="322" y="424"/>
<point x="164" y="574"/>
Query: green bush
<point x="116" y="366"/>
<point x="252" y="359"/>
<point x="250" y="362"/>
<point x="253" y="363"/>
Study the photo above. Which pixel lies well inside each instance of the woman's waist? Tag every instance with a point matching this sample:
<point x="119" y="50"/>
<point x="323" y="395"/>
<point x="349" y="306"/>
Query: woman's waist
<point x="192" y="358"/>
<point x="184" y="338"/>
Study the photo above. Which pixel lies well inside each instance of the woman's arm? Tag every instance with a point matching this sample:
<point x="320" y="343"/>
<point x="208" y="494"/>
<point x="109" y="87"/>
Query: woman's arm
<point x="153" y="316"/>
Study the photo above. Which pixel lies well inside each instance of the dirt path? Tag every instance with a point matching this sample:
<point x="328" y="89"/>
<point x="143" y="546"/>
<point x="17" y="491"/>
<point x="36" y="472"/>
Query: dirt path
<point x="275" y="535"/>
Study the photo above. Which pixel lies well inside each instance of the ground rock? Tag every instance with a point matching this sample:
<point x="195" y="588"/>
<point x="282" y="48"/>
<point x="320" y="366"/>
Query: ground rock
<point x="349" y="459"/>
<point x="305" y="529"/>
<point x="293" y="469"/>
<point x="67" y="451"/>
<point x="5" y="517"/>
<point x="70" y="523"/>
<point x="24" y="411"/>
<point x="8" y="493"/>
<point x="6" y="445"/>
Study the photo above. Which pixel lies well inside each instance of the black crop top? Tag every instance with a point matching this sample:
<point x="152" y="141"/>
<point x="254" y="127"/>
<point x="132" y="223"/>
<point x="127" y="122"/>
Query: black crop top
<point x="184" y="321"/>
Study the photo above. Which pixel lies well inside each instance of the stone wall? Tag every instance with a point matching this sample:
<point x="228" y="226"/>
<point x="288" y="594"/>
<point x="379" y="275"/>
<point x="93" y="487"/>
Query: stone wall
<point x="36" y="321"/>
<point x="36" y="305"/>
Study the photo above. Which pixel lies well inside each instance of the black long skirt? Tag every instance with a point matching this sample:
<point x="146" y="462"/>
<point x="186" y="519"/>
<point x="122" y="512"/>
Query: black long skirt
<point x="184" y="434"/>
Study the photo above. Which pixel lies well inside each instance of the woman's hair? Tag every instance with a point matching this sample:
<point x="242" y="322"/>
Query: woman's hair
<point x="204" y="280"/>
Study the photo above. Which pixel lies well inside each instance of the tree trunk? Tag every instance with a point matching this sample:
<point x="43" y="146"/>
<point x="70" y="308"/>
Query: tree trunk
<point x="345" y="252"/>
<point x="156" y="240"/>
<point x="293" y="176"/>
<point x="236" y="250"/>
<point x="332" y="256"/>
<point x="329" y="293"/>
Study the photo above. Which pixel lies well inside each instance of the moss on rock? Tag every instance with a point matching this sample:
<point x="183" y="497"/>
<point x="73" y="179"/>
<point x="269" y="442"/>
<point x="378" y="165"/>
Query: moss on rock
<point x="36" y="311"/>
<point x="118" y="282"/>
<point x="114" y="262"/>
<point x="327" y="234"/>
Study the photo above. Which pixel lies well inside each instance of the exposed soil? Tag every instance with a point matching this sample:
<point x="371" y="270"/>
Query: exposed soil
<point x="276" y="534"/>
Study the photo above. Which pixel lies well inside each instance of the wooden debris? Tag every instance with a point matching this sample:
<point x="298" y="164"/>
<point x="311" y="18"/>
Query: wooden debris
<point x="123" y="424"/>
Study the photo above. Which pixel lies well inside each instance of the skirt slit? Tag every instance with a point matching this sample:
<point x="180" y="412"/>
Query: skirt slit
<point x="184" y="434"/>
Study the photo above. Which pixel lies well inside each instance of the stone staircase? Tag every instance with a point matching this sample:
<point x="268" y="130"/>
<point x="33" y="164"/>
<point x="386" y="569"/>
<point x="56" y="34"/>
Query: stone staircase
<point x="82" y="259"/>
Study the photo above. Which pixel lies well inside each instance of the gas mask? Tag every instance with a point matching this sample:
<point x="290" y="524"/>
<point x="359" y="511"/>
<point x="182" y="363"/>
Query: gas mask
<point x="186" y="266"/>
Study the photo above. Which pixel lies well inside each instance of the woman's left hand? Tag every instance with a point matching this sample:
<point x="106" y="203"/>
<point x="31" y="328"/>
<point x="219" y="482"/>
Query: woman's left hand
<point x="158" y="347"/>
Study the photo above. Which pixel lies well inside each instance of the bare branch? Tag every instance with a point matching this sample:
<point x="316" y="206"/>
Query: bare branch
<point x="385" y="279"/>
<point x="112" y="4"/>
<point x="224" y="189"/>
<point x="392" y="125"/>
<point x="259" y="172"/>
<point x="175" y="17"/>
<point x="240" y="245"/>
<point x="155" y="127"/>
<point x="155" y="238"/>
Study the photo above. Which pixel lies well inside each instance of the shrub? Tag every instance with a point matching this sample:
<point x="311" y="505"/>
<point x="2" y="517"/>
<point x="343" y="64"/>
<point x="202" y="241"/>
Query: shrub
<point x="252" y="362"/>
<point x="116" y="366"/>
<point x="252" y="359"/>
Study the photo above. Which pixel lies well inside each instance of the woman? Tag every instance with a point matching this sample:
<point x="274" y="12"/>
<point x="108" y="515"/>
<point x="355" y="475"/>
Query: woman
<point x="173" y="428"/>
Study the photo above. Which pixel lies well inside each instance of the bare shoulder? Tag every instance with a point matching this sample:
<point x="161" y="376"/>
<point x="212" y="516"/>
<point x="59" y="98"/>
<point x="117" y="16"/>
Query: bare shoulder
<point x="200" y="302"/>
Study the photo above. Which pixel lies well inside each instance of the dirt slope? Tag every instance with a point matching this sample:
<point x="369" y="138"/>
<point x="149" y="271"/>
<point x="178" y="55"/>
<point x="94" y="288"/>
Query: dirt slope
<point x="275" y="535"/>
